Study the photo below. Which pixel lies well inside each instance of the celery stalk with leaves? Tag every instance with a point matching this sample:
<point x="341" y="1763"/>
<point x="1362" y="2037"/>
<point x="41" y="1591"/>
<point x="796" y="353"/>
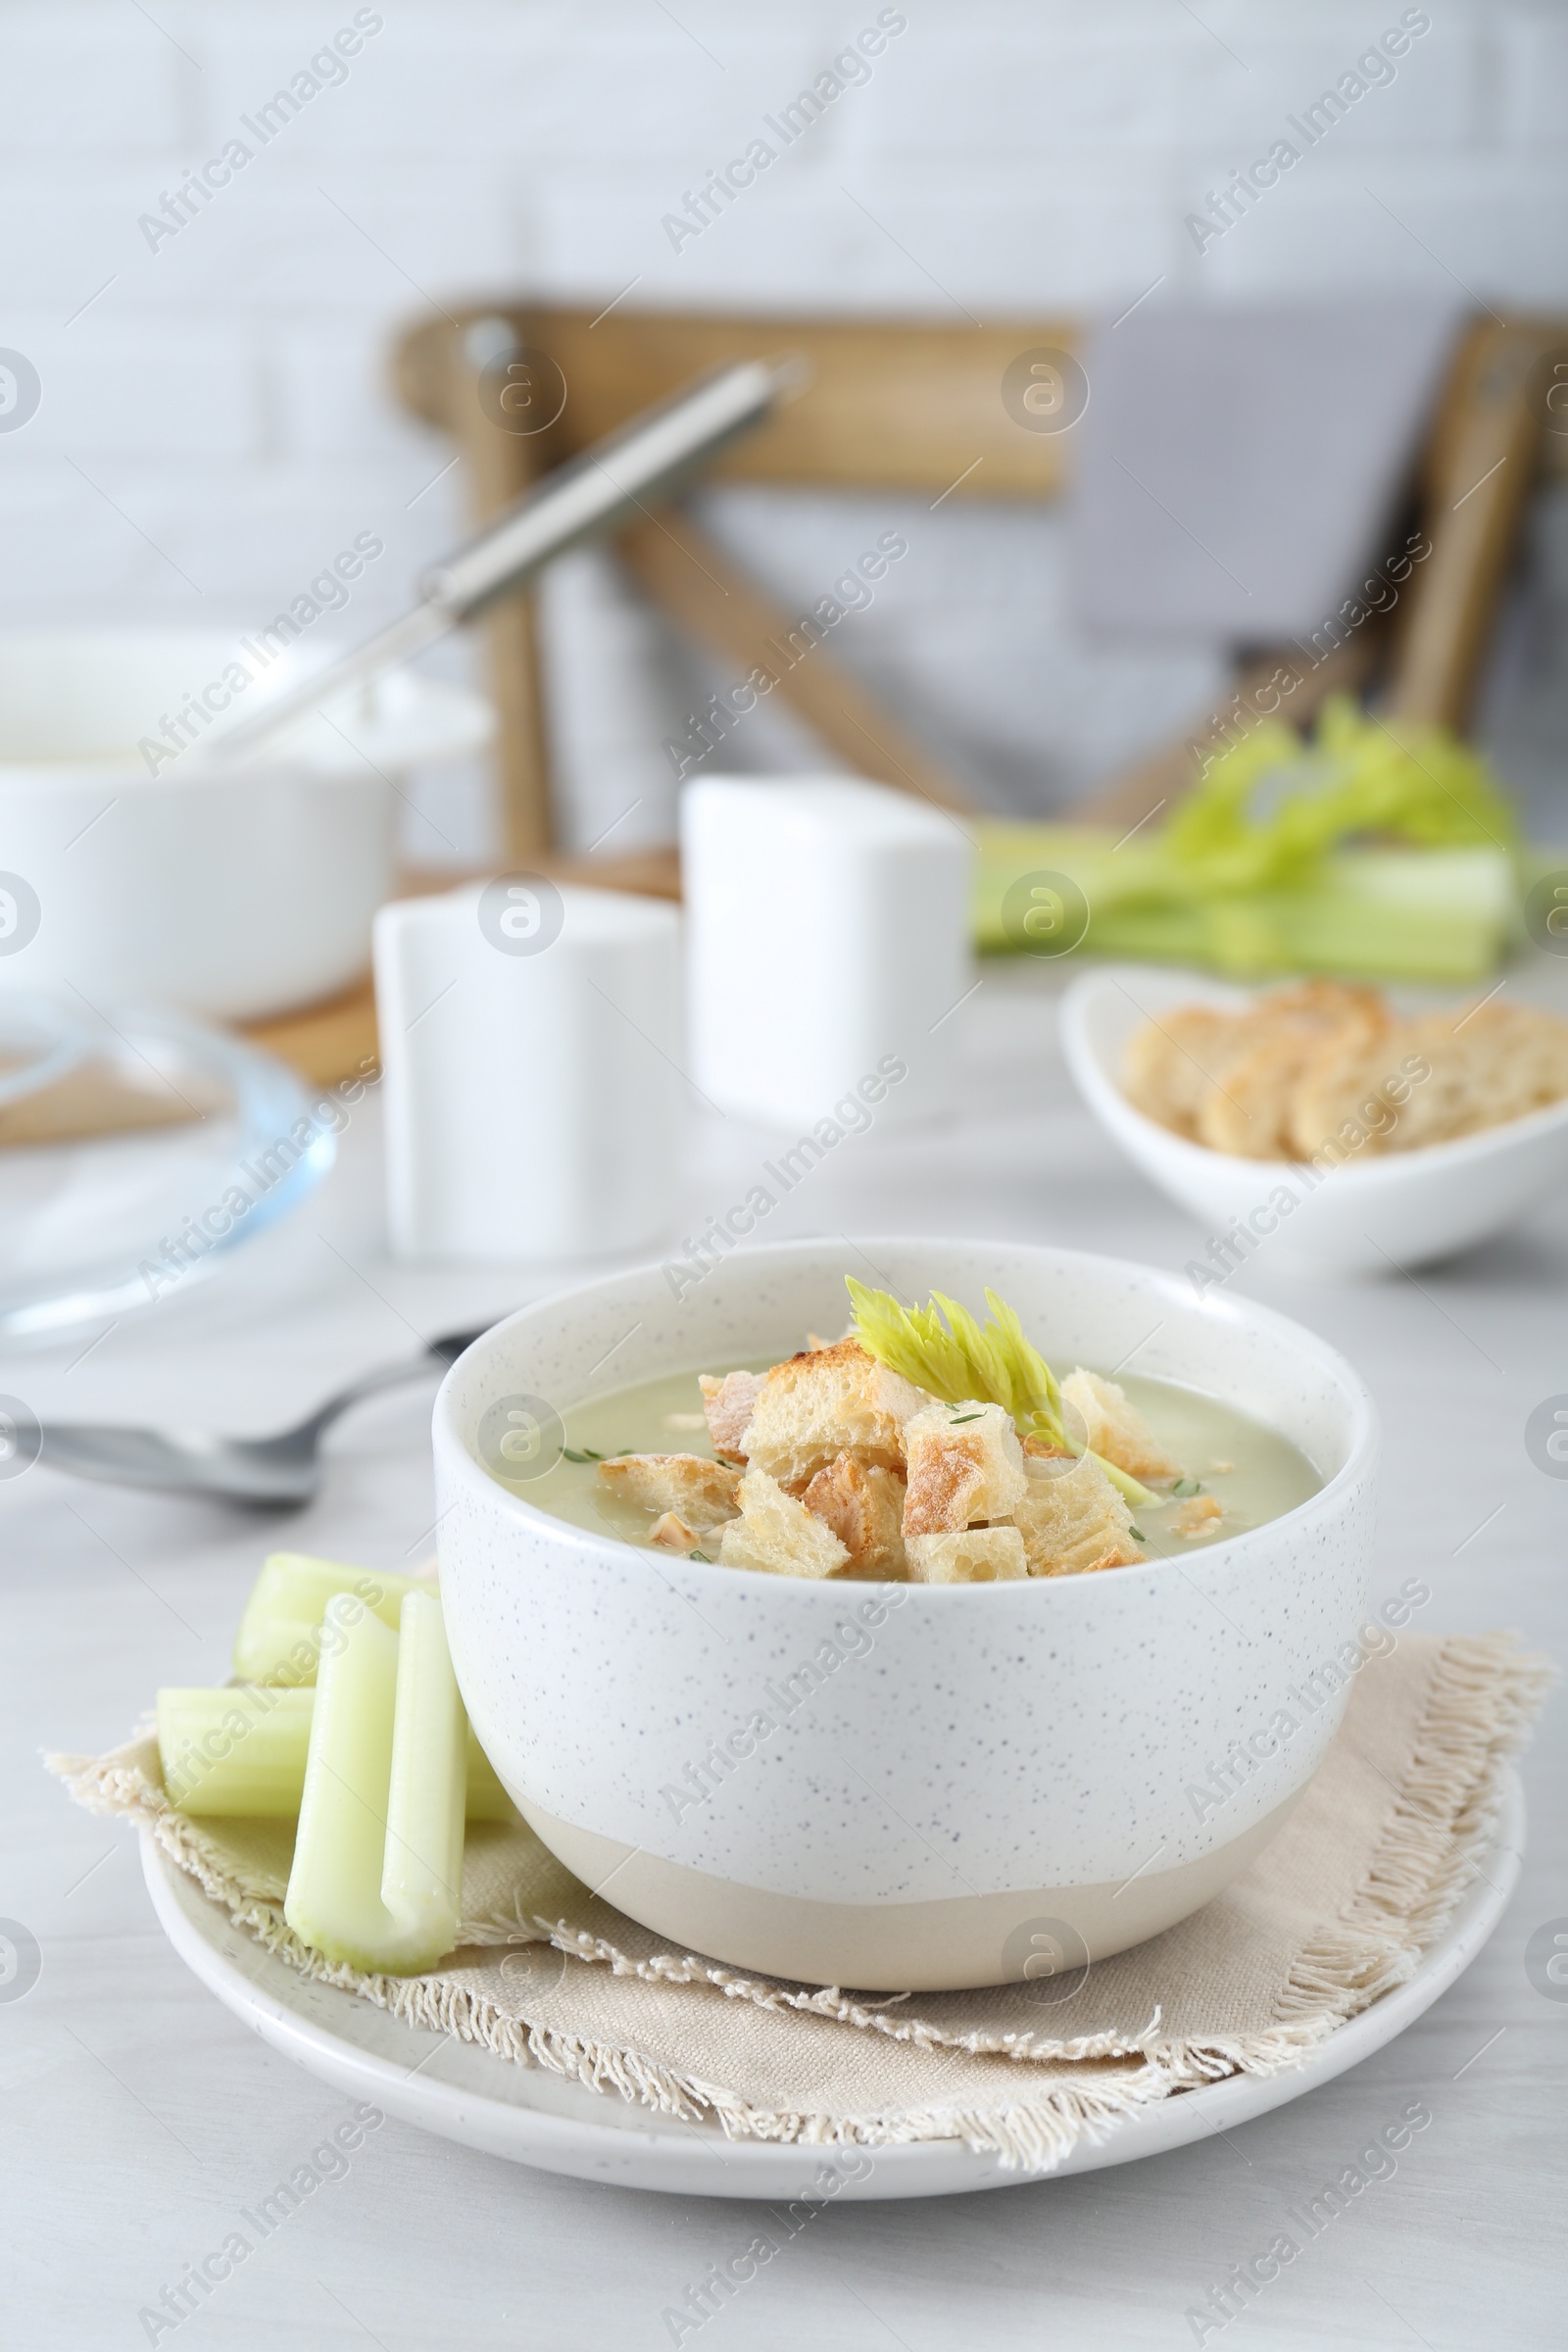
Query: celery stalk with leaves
<point x="963" y="1361"/>
<point x="379" y="1851"/>
<point x="1378" y="849"/>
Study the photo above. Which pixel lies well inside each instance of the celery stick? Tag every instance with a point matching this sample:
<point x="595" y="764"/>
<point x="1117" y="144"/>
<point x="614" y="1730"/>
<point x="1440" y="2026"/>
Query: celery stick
<point x="279" y="1638"/>
<point x="334" y="1889"/>
<point x="234" y="1751"/>
<point x="421" y="1875"/>
<point x="378" y="1853"/>
<point x="1124" y="1481"/>
<point x="487" y="1798"/>
<point x="241" y="1751"/>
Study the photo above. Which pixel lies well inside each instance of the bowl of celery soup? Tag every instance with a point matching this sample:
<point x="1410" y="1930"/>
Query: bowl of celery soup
<point x="888" y="1616"/>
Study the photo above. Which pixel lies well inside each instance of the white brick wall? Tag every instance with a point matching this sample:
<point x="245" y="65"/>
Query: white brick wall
<point x="216" y="422"/>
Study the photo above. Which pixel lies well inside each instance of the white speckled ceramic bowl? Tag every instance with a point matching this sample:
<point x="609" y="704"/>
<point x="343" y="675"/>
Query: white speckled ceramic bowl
<point x="1366" y="1216"/>
<point x="903" y="1786"/>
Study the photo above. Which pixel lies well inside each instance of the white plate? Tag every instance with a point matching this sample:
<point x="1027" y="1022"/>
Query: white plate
<point x="1368" y="1214"/>
<point x="536" y="2118"/>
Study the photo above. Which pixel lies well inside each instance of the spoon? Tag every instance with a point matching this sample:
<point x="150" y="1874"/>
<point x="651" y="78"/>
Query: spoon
<point x="584" y="499"/>
<point x="285" y="1469"/>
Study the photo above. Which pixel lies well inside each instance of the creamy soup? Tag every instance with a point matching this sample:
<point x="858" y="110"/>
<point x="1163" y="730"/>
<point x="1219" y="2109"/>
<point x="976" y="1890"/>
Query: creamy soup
<point x="1251" y="1472"/>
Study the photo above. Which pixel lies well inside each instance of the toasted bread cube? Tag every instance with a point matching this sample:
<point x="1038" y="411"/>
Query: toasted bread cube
<point x="828" y="1401"/>
<point x="864" y="1508"/>
<point x="728" y="1405"/>
<point x="1197" y="1517"/>
<point x="1114" y="1428"/>
<point x="671" y="1533"/>
<point x="1073" y="1520"/>
<point x="965" y="1463"/>
<point x="702" y="1493"/>
<point x="971" y="1556"/>
<point x="777" y="1534"/>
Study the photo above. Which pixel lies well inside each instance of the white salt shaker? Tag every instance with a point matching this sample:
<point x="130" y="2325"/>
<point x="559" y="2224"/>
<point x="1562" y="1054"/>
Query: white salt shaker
<point x="530" y="1038"/>
<point x="827" y="930"/>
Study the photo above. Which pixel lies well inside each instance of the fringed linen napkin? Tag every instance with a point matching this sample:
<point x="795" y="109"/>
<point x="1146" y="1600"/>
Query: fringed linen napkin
<point x="1339" y="1909"/>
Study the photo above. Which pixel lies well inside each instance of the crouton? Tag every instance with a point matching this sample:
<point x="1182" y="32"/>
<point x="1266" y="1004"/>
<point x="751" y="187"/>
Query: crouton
<point x="1516" y="1063"/>
<point x="777" y="1534"/>
<point x="1351" y="1095"/>
<point x="727" y="1404"/>
<point x="1198" y="1516"/>
<point x="1115" y="1429"/>
<point x="971" y="1556"/>
<point x="829" y="1402"/>
<point x="702" y="1493"/>
<point x="1496" y="1063"/>
<point x="1170" y="1064"/>
<point x="964" y="1463"/>
<point x="1250" y="1108"/>
<point x="865" y="1509"/>
<point x="1227" y="1079"/>
<point x="1321" y="1069"/>
<point x="1073" y="1520"/>
<point x="672" y="1534"/>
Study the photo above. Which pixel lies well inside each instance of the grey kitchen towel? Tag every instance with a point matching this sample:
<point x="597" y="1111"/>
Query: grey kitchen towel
<point x="1240" y="468"/>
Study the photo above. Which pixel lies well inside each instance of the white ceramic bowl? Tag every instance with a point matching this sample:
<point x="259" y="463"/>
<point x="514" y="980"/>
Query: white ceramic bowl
<point x="951" y="1779"/>
<point x="235" y="895"/>
<point x="1366" y="1216"/>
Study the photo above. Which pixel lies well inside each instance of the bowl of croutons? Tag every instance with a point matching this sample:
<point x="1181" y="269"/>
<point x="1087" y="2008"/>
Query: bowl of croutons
<point x="1314" y="1123"/>
<point x="810" y="1615"/>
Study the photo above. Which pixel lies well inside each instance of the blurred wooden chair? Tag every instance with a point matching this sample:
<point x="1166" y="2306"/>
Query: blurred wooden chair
<point x="916" y="408"/>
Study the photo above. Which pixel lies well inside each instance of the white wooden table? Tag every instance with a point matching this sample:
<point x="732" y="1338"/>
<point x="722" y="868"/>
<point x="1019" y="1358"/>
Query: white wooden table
<point x="137" y="2117"/>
